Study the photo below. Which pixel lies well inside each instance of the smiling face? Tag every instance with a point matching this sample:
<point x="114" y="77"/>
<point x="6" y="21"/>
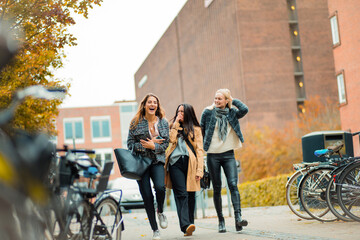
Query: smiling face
<point x="220" y="101"/>
<point x="151" y="105"/>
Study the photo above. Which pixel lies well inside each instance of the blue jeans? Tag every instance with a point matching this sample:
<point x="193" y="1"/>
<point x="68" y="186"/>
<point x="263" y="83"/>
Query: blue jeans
<point x="157" y="174"/>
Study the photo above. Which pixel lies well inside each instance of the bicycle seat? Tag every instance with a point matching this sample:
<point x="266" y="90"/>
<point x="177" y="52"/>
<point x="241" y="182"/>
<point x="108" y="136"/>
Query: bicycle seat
<point x="88" y="165"/>
<point x="102" y="184"/>
<point x="90" y="172"/>
<point x="322" y="152"/>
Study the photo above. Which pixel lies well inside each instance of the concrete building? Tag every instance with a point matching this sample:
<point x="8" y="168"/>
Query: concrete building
<point x="272" y="54"/>
<point x="345" y="25"/>
<point x="98" y="128"/>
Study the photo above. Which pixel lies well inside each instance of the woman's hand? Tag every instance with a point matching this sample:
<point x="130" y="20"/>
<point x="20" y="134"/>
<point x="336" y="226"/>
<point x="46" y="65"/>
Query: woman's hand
<point x="148" y="143"/>
<point x="179" y="117"/>
<point x="157" y="140"/>
<point x="197" y="178"/>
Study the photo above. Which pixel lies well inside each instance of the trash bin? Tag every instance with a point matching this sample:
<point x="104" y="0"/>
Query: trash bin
<point x="323" y="139"/>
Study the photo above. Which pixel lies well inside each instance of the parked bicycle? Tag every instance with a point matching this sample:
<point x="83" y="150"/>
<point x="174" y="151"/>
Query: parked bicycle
<point x="326" y="191"/>
<point x="348" y="189"/>
<point x="292" y="185"/>
<point x="79" y="216"/>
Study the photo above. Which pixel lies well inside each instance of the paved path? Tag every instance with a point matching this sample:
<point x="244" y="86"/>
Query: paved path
<point x="264" y="223"/>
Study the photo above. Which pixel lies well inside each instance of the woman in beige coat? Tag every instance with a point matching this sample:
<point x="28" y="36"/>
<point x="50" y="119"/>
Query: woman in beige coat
<point x="184" y="164"/>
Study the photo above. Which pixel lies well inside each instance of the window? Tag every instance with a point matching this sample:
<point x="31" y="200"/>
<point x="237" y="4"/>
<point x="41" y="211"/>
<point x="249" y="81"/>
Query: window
<point x="127" y="108"/>
<point x="341" y="88"/>
<point x="127" y="112"/>
<point x="142" y="81"/>
<point x="74" y="130"/>
<point x="101" y="129"/>
<point x="300" y="88"/>
<point x="335" y="30"/>
<point x="207" y="3"/>
<point x="102" y="155"/>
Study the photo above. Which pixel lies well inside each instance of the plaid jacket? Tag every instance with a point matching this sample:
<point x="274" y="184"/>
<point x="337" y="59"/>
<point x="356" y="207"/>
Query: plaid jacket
<point x="141" y="131"/>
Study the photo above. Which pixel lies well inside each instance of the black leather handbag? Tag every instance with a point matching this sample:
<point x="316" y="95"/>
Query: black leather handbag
<point x="131" y="166"/>
<point x="205" y="181"/>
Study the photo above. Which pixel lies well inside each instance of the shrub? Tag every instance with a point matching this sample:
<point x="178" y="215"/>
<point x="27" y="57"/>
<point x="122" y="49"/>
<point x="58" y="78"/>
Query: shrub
<point x="265" y="192"/>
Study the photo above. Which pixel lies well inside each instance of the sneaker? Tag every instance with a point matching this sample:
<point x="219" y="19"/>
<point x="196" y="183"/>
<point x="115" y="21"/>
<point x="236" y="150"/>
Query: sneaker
<point x="156" y="235"/>
<point x="163" y="220"/>
<point x="189" y="230"/>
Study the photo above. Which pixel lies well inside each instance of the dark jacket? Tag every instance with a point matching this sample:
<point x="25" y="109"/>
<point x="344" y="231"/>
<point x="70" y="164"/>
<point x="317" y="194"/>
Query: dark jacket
<point x="141" y="131"/>
<point x="208" y="121"/>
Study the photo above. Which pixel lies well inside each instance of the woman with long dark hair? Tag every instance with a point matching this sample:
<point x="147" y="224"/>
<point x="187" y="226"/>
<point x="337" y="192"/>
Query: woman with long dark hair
<point x="149" y="137"/>
<point x="184" y="164"/>
<point x="222" y="135"/>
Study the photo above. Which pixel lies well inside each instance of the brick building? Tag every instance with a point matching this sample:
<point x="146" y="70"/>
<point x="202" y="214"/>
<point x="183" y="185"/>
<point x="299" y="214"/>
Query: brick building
<point x="272" y="54"/>
<point x="98" y="128"/>
<point x="345" y="25"/>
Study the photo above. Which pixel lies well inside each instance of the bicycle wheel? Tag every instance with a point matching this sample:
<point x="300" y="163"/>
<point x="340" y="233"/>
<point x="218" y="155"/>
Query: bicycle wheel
<point x="111" y="216"/>
<point x="348" y="191"/>
<point x="331" y="197"/>
<point x="292" y="196"/>
<point x="79" y="221"/>
<point x="312" y="192"/>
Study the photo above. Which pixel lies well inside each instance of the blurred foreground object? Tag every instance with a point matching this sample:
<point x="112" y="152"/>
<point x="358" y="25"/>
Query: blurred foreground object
<point x="8" y="46"/>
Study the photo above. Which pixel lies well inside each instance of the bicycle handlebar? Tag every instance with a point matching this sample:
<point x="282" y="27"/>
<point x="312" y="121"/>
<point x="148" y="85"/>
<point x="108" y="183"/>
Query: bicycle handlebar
<point x="76" y="150"/>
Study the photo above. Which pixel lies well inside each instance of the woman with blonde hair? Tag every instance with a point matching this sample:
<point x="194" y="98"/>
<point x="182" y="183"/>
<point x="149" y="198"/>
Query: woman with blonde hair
<point x="222" y="134"/>
<point x="149" y="137"/>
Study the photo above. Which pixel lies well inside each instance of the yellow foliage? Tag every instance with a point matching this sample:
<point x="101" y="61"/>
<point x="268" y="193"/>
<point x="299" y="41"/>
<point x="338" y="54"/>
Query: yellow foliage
<point x="44" y="35"/>
<point x="269" y="152"/>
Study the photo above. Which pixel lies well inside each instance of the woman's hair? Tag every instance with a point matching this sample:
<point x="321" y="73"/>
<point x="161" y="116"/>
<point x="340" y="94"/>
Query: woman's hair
<point x="227" y="94"/>
<point x="190" y="120"/>
<point x="141" y="110"/>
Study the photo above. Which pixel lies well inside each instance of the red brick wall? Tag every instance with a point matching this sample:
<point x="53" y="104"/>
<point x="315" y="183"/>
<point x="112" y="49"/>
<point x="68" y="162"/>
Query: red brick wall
<point x="266" y="61"/>
<point x="316" y="44"/>
<point x="347" y="58"/>
<point x="162" y="70"/>
<point x="243" y="45"/>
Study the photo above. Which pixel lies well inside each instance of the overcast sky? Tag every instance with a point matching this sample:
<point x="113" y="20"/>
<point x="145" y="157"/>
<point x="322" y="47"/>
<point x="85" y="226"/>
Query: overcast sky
<point x="112" y="44"/>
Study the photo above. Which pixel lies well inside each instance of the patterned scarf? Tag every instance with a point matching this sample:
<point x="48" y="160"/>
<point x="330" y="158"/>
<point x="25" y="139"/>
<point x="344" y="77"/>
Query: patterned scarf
<point x="222" y="122"/>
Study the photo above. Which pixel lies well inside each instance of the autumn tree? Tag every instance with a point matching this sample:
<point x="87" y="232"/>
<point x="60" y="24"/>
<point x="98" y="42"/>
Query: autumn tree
<point x="269" y="152"/>
<point x="41" y="26"/>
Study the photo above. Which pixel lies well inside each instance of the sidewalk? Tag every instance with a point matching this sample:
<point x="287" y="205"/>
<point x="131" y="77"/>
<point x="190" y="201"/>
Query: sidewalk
<point x="264" y="223"/>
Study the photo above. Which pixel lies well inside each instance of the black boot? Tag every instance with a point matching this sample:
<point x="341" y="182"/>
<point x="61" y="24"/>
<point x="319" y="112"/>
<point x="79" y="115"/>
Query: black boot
<point x="218" y="208"/>
<point x="222" y="228"/>
<point x="240" y="223"/>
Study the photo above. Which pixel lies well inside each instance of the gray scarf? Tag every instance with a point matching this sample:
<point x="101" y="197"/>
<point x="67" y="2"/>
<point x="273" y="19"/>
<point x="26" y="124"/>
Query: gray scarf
<point x="222" y="121"/>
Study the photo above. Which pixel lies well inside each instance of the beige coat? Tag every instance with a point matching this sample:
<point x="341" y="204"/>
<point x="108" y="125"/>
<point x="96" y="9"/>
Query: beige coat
<point x="196" y="164"/>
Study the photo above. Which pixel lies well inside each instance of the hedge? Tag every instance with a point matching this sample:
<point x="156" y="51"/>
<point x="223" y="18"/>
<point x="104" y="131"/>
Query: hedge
<point x="265" y="192"/>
